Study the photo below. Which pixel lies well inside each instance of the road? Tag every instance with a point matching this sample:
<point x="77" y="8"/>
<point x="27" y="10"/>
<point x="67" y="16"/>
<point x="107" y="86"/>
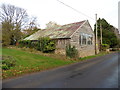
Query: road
<point x="100" y="72"/>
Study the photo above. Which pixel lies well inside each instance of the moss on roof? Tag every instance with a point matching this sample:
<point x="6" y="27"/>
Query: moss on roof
<point x="64" y="31"/>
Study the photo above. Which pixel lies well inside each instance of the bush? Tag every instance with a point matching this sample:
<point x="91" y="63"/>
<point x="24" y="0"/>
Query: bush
<point x="71" y="52"/>
<point x="25" y="43"/>
<point x="45" y="44"/>
<point x="5" y="67"/>
<point x="21" y="44"/>
<point x="105" y="46"/>
<point x="7" y="62"/>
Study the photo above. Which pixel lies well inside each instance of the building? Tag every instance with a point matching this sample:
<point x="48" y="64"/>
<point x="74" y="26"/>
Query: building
<point x="79" y="34"/>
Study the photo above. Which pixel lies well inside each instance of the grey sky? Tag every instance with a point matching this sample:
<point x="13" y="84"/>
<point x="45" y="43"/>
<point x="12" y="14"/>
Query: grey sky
<point x="52" y="10"/>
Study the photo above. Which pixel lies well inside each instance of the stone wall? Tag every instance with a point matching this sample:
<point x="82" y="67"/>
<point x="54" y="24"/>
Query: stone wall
<point x="84" y="50"/>
<point x="60" y="51"/>
<point x="62" y="43"/>
<point x="61" y="46"/>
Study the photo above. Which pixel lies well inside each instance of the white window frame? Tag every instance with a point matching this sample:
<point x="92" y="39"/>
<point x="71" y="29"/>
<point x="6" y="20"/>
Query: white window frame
<point x="87" y="37"/>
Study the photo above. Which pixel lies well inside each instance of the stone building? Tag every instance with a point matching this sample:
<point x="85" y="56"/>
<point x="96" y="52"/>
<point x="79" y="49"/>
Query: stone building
<point x="79" y="34"/>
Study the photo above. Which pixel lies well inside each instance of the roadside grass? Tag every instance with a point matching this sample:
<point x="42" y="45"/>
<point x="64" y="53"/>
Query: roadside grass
<point x="93" y="56"/>
<point x="27" y="62"/>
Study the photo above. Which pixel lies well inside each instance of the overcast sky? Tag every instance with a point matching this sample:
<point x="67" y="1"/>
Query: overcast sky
<point x="52" y="10"/>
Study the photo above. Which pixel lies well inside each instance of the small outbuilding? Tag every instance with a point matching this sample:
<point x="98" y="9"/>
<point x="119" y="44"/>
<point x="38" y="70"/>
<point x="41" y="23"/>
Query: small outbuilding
<point x="78" y="34"/>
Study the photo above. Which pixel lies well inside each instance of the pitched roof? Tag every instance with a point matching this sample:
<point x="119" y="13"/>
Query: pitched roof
<point x="64" y="31"/>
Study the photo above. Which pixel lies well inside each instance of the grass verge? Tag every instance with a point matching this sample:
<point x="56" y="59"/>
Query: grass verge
<point x="93" y="56"/>
<point x="27" y="62"/>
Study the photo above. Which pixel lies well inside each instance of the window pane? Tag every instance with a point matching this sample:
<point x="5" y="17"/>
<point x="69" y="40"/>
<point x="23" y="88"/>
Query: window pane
<point x="80" y="40"/>
<point x="85" y="39"/>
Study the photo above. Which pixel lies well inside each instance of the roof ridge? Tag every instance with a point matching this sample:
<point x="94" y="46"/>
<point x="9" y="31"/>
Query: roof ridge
<point x="67" y="24"/>
<point x="73" y="23"/>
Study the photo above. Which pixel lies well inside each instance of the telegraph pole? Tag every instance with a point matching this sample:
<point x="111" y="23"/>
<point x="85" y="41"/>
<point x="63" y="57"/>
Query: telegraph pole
<point x="96" y="36"/>
<point x="100" y="37"/>
<point x="101" y="32"/>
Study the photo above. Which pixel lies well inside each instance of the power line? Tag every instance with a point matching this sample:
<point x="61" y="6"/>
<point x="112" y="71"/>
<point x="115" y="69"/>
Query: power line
<point x="75" y="10"/>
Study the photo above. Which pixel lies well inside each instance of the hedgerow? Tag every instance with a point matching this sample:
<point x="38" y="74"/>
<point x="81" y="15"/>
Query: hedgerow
<point x="44" y="44"/>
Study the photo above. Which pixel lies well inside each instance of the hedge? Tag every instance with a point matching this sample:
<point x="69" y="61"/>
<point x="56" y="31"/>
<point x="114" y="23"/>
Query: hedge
<point x="44" y="44"/>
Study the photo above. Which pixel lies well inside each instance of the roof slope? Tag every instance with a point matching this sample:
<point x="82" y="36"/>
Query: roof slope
<point x="64" y="31"/>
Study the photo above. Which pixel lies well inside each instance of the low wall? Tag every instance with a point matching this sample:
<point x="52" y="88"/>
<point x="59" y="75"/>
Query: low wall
<point x="60" y="51"/>
<point x="82" y="53"/>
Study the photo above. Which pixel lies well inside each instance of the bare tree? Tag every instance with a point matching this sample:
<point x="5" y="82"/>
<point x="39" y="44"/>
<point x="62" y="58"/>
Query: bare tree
<point x="13" y="19"/>
<point x="13" y="14"/>
<point x="31" y="27"/>
<point x="32" y="23"/>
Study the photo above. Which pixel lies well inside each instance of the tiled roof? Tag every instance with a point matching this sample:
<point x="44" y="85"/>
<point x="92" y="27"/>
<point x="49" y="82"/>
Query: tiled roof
<point x="64" y="31"/>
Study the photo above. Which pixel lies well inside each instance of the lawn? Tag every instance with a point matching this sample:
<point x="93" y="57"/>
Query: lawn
<point x="28" y="62"/>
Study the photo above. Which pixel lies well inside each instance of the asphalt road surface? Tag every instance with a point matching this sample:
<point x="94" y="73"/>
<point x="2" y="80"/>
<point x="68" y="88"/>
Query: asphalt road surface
<point x="100" y="72"/>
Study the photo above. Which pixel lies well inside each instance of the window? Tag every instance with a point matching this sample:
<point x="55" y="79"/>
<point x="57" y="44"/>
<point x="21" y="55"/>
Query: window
<point x="80" y="40"/>
<point x="85" y="39"/>
<point x="89" y="40"/>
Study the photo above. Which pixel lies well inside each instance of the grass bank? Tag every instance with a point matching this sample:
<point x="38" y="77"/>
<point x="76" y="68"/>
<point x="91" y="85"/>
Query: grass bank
<point x="27" y="62"/>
